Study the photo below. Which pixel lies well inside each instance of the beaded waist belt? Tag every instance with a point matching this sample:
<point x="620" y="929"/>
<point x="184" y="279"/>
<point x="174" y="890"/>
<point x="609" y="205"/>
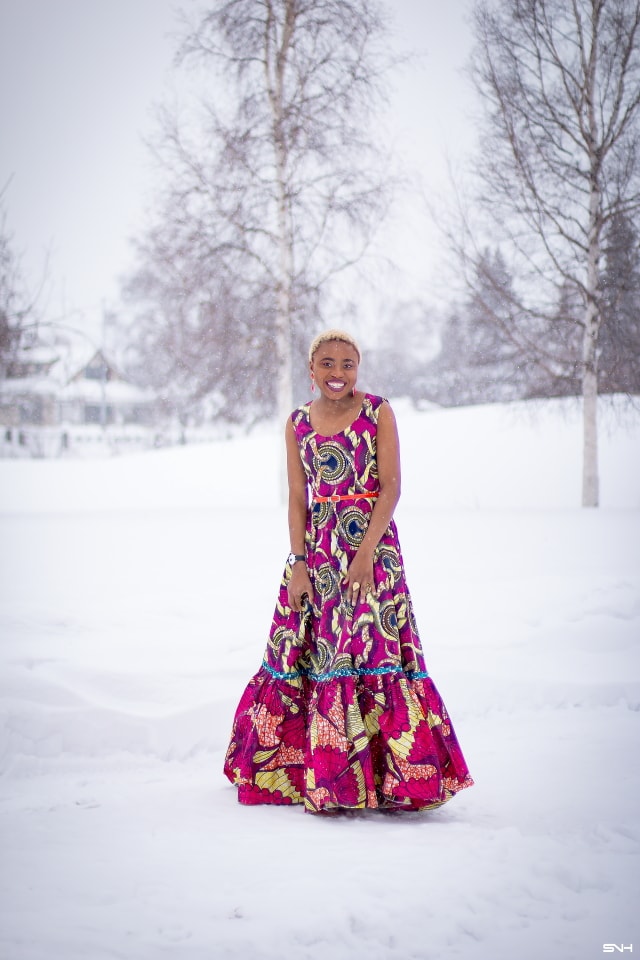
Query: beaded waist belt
<point x="334" y="498"/>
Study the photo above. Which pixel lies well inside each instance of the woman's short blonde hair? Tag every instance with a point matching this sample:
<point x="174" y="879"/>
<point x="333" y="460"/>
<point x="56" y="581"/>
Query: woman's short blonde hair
<point x="333" y="334"/>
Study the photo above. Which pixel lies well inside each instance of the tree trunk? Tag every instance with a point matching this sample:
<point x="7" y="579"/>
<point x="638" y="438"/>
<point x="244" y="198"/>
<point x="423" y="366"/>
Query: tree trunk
<point x="276" y="52"/>
<point x="284" y="298"/>
<point x="284" y="336"/>
<point x="284" y="339"/>
<point x="590" y="438"/>
<point x="284" y="323"/>
<point x="275" y="63"/>
<point x="590" y="360"/>
<point x="590" y="376"/>
<point x="590" y="481"/>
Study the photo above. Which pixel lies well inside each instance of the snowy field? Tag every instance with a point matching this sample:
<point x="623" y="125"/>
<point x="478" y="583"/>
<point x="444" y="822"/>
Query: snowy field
<point x="136" y="596"/>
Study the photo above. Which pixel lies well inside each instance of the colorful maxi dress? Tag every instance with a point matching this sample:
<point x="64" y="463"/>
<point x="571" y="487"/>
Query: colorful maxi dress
<point x="342" y="712"/>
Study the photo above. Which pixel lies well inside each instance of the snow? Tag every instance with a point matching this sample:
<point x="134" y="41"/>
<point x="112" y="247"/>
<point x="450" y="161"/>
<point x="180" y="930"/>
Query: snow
<point x="135" y="599"/>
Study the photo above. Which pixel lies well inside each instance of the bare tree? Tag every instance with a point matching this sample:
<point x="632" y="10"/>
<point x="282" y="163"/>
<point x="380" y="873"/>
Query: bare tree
<point x="195" y="340"/>
<point x="274" y="180"/>
<point x="16" y="306"/>
<point x="560" y="159"/>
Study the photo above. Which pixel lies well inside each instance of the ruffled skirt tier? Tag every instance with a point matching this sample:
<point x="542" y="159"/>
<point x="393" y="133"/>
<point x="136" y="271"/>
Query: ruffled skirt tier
<point x="356" y="741"/>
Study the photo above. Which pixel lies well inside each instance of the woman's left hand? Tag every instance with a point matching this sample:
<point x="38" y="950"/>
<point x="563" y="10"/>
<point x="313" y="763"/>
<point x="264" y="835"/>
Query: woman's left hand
<point x="360" y="582"/>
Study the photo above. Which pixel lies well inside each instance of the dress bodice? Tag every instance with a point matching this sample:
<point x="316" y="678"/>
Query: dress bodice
<point x="345" y="462"/>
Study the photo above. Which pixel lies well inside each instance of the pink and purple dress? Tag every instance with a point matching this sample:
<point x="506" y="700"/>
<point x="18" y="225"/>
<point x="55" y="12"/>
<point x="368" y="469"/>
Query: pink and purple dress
<point x="342" y="713"/>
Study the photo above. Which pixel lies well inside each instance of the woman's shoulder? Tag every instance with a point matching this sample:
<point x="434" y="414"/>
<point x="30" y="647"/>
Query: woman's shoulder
<point x="300" y="414"/>
<point x="373" y="402"/>
<point x="375" y="399"/>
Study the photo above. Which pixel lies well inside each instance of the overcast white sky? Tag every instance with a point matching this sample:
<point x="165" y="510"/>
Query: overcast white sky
<point x="78" y="80"/>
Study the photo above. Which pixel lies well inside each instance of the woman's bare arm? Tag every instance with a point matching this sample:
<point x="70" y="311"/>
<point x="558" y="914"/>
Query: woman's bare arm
<point x="299" y="582"/>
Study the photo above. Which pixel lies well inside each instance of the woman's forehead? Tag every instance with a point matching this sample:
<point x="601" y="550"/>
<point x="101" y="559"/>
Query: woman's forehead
<point x="329" y="349"/>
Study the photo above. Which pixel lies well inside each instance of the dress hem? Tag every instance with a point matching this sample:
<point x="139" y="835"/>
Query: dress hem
<point x="358" y="742"/>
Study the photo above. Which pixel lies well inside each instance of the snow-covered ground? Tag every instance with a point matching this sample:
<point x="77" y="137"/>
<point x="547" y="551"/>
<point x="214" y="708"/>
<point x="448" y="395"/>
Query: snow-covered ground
<point x="136" y="596"/>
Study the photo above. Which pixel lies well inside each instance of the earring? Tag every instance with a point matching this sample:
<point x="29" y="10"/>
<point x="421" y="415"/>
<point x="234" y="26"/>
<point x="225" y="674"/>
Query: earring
<point x="313" y="384"/>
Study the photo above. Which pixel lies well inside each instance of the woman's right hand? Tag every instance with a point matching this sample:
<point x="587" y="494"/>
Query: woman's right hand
<point x="299" y="585"/>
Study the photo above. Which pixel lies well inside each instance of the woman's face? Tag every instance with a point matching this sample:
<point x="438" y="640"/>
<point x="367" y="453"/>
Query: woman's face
<point x="335" y="369"/>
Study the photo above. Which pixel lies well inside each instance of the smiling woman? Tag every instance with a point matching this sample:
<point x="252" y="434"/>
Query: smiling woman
<point x="333" y="363"/>
<point x="342" y="713"/>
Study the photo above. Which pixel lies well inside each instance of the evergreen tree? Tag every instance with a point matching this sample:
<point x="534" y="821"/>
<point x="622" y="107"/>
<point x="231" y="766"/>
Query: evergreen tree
<point x="479" y="360"/>
<point x="619" y="362"/>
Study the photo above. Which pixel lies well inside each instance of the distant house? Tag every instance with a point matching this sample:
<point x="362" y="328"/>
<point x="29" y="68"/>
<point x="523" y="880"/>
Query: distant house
<point x="56" y="401"/>
<point x="98" y="394"/>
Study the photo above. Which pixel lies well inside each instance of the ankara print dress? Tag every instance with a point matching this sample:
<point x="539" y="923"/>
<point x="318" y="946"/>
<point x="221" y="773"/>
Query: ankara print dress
<point x="342" y="712"/>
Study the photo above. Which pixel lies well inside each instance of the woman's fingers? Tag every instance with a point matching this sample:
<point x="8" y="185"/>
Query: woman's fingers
<point x="299" y="595"/>
<point x="357" y="591"/>
<point x="296" y="603"/>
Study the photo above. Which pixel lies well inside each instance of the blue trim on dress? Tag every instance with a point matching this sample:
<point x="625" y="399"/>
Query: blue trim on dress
<point x="345" y="672"/>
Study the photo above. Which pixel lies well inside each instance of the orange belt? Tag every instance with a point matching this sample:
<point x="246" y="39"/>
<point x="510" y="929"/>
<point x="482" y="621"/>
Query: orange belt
<point x="334" y="498"/>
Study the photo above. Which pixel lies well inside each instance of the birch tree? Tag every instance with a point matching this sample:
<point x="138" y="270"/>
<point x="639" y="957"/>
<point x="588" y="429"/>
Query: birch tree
<point x="560" y="159"/>
<point x="274" y="180"/>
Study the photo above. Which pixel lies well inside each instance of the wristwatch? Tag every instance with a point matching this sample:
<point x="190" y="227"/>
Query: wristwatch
<point x="294" y="557"/>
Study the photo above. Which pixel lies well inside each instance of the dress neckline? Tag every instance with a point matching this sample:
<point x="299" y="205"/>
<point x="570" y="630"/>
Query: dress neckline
<point x="338" y="433"/>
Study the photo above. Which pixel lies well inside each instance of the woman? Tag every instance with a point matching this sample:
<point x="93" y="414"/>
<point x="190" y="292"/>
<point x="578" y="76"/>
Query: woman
<point x="342" y="713"/>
